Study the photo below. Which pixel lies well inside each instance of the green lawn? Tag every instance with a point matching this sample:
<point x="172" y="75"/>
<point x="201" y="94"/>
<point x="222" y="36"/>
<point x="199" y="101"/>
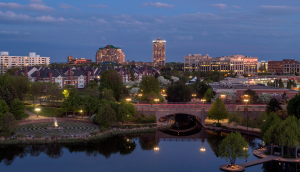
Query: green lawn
<point x="49" y="112"/>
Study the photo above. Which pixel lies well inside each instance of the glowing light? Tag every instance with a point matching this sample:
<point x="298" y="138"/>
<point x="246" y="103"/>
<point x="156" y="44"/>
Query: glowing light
<point x="223" y="95"/>
<point x="194" y="95"/>
<point x="140" y="95"/>
<point x="156" y="148"/>
<point x="37" y="109"/>
<point x="202" y="149"/>
<point x="128" y="100"/>
<point x="156" y="100"/>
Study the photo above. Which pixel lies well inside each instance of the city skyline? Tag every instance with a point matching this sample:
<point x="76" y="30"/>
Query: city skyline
<point x="263" y="29"/>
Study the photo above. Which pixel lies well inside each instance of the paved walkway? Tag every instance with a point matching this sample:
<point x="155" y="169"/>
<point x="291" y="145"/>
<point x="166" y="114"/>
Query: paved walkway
<point x="225" y="123"/>
<point x="260" y="153"/>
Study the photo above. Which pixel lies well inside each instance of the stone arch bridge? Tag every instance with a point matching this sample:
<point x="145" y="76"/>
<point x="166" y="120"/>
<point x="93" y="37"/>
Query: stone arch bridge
<point x="197" y="110"/>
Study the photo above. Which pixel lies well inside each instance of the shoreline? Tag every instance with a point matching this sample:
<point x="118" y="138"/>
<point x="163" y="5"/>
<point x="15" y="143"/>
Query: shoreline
<point x="60" y="139"/>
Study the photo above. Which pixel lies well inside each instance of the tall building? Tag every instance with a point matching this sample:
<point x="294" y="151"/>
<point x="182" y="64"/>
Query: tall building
<point x="238" y="64"/>
<point x="75" y="61"/>
<point x="111" y="54"/>
<point x="262" y="66"/>
<point x="277" y="66"/>
<point x="7" y="62"/>
<point x="291" y="68"/>
<point x="159" y="52"/>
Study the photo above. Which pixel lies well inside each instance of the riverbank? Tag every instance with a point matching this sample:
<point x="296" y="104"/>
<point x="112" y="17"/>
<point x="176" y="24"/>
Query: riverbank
<point x="73" y="138"/>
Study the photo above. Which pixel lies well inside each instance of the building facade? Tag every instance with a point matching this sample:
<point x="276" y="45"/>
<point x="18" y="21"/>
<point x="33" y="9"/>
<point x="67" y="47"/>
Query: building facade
<point x="277" y="66"/>
<point x="138" y="63"/>
<point x="159" y="52"/>
<point x="238" y="64"/>
<point x="291" y="68"/>
<point x="110" y="53"/>
<point x="7" y="62"/>
<point x="262" y="66"/>
<point x="75" y="61"/>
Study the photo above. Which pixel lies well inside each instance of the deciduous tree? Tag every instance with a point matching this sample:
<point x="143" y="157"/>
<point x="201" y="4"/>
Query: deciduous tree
<point x="179" y="92"/>
<point x="18" y="109"/>
<point x="106" y="116"/>
<point x="112" y="80"/>
<point x="218" y="110"/>
<point x="232" y="147"/>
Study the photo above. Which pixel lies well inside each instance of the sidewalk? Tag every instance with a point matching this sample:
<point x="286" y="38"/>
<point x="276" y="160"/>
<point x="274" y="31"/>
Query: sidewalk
<point x="225" y="123"/>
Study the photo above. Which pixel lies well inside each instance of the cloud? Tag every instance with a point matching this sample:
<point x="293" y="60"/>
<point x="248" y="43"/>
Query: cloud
<point x="33" y="7"/>
<point x="237" y="7"/>
<point x="158" y="5"/>
<point x="67" y="6"/>
<point x="97" y="5"/>
<point x="36" y="1"/>
<point x="21" y="18"/>
<point x="220" y="6"/>
<point x="204" y="33"/>
<point x="271" y="7"/>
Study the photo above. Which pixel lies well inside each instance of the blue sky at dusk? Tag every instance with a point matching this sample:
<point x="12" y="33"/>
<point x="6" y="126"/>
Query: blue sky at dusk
<point x="267" y="29"/>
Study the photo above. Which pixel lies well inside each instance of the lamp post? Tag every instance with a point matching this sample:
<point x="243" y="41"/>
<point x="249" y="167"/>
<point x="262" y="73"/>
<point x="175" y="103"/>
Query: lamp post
<point x="194" y="95"/>
<point x="140" y="95"/>
<point x="156" y="149"/>
<point x="203" y="100"/>
<point x="37" y="111"/>
<point x="128" y="100"/>
<point x="81" y="113"/>
<point x="246" y="109"/>
<point x="156" y="100"/>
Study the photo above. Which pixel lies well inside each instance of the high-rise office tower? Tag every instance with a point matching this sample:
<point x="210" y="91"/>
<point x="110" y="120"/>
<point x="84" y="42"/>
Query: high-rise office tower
<point x="159" y="52"/>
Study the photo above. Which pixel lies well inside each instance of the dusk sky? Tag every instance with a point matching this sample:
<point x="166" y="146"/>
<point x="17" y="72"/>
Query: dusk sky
<point x="267" y="29"/>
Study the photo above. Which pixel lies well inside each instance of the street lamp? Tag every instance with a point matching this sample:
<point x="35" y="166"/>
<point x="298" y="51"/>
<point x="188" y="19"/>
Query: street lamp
<point x="223" y="96"/>
<point x="156" y="100"/>
<point x="203" y="100"/>
<point x="202" y="149"/>
<point x="156" y="148"/>
<point x="140" y="95"/>
<point x="194" y="95"/>
<point x="37" y="111"/>
<point x="128" y="100"/>
<point x="246" y="108"/>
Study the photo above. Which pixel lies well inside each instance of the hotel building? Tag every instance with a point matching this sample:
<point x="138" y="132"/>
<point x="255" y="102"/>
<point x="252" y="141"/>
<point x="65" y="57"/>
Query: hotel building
<point x="239" y="64"/>
<point x="7" y="62"/>
<point x="159" y="52"/>
<point x="110" y="54"/>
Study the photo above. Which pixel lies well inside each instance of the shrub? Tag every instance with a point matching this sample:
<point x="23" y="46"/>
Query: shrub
<point x="93" y="118"/>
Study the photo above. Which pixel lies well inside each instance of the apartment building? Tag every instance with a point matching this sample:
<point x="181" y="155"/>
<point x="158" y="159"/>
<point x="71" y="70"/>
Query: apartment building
<point x="239" y="64"/>
<point x="75" y="61"/>
<point x="111" y="54"/>
<point x="7" y="62"/>
<point x="159" y="52"/>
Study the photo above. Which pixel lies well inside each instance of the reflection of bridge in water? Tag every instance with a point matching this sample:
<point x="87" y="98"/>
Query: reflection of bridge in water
<point x="196" y="133"/>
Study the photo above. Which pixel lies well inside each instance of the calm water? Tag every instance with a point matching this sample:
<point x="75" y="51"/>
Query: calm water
<point x="131" y="153"/>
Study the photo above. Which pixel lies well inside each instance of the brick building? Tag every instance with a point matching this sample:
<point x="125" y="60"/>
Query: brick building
<point x="159" y="52"/>
<point x="75" y="61"/>
<point x="277" y="66"/>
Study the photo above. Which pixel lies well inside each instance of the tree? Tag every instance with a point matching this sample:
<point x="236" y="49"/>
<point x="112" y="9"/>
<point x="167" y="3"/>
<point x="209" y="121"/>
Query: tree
<point x="107" y="94"/>
<point x="106" y="116"/>
<point x="201" y="88"/>
<point x="156" y="75"/>
<point x="92" y="89"/>
<point x="271" y="119"/>
<point x="90" y="105"/>
<point x="232" y="147"/>
<point x="3" y="107"/>
<point x="12" y="71"/>
<point x="179" y="92"/>
<point x="235" y="118"/>
<point x="293" y="106"/>
<point x="125" y="111"/>
<point x="252" y="95"/>
<point x="273" y="106"/>
<point x="132" y="77"/>
<point x="18" y="109"/>
<point x="149" y="84"/>
<point x="35" y="91"/>
<point x="214" y="140"/>
<point x="69" y="90"/>
<point x="281" y="83"/>
<point x="112" y="80"/>
<point x="218" y="110"/>
<point x="72" y="103"/>
<point x="21" y="86"/>
<point x="8" y="123"/>
<point x="54" y="93"/>
<point x="12" y="90"/>
<point x="208" y="95"/>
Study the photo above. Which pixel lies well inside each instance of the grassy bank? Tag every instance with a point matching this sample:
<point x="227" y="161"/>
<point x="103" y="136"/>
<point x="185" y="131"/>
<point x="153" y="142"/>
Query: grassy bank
<point x="96" y="136"/>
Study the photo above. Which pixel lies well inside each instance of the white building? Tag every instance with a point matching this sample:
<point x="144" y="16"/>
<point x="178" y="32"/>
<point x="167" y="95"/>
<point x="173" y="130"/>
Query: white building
<point x="7" y="62"/>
